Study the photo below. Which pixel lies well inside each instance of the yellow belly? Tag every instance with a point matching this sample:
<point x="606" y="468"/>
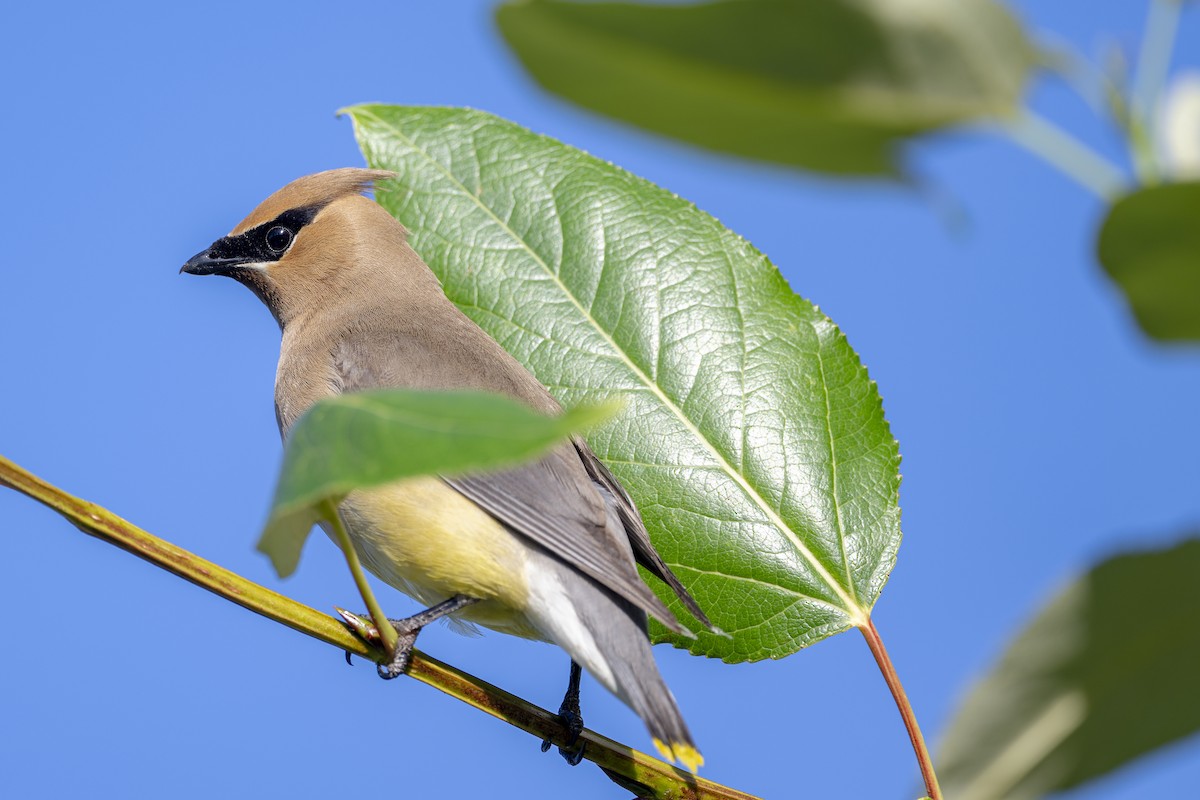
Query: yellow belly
<point x="431" y="543"/>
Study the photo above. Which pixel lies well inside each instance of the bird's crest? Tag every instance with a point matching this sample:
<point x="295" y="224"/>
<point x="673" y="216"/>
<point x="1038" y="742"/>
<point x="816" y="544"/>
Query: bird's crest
<point x="313" y="191"/>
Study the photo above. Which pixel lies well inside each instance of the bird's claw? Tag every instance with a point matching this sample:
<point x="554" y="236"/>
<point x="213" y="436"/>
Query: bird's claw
<point x="406" y="632"/>
<point x="573" y="721"/>
<point x="572" y="752"/>
<point x="573" y="757"/>
<point x="362" y="627"/>
<point x="406" y="638"/>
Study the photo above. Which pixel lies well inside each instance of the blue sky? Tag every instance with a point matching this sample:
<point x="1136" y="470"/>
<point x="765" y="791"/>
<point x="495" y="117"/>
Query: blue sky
<point x="1040" y="431"/>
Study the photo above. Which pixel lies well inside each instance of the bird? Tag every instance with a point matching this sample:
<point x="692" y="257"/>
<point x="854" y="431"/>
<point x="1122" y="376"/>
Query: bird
<point x="546" y="550"/>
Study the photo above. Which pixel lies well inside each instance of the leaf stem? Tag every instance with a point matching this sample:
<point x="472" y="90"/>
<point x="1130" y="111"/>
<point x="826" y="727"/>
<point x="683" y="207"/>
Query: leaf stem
<point x="621" y="763"/>
<point x="1138" y="115"/>
<point x="906" y="711"/>
<point x="1107" y="94"/>
<point x="1154" y="57"/>
<point x="1063" y="151"/>
<point x="1141" y="149"/>
<point x="387" y="633"/>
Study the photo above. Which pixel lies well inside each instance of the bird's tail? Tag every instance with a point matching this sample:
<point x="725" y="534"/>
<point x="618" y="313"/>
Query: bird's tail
<point x="606" y="635"/>
<point x="641" y="686"/>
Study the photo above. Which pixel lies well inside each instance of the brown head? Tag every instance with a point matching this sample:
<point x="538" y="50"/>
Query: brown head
<point x="315" y="240"/>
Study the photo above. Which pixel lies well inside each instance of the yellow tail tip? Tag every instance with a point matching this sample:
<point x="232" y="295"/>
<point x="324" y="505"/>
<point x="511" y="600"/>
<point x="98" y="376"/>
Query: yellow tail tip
<point x="678" y="751"/>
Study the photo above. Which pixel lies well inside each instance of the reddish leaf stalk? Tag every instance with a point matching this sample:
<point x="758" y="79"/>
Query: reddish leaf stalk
<point x="906" y="710"/>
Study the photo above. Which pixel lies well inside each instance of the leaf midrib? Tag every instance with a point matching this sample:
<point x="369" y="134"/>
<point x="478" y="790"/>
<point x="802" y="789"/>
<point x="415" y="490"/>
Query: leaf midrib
<point x="858" y="615"/>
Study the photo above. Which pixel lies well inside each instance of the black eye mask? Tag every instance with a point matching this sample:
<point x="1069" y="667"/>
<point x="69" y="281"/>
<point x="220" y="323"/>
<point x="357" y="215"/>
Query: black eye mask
<point x="266" y="242"/>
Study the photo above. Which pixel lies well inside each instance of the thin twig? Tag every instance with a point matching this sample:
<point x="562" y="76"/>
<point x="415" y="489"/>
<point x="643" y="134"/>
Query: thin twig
<point x="1075" y="159"/>
<point x="648" y="776"/>
<point x="906" y="710"/>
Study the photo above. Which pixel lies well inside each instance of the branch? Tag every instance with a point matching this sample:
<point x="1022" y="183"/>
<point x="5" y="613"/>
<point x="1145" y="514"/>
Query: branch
<point x="638" y="772"/>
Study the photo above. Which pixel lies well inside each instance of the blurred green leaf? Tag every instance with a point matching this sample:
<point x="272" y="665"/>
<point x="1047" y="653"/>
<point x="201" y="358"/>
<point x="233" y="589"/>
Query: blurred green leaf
<point x="1105" y="673"/>
<point x="356" y="441"/>
<point x="754" y="443"/>
<point x="1150" y="245"/>
<point x="826" y="85"/>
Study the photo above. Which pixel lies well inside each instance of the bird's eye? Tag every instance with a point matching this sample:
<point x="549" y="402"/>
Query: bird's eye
<point x="278" y="239"/>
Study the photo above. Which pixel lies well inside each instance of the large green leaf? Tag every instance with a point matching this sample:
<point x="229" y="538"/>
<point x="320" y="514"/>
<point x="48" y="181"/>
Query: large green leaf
<point x="1150" y="245"/>
<point x="753" y="441"/>
<point x="828" y="85"/>
<point x="356" y="441"/>
<point x="1106" y="672"/>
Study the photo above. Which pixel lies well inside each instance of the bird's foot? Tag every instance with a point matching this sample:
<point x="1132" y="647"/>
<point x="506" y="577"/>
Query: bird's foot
<point x="407" y="629"/>
<point x="406" y="638"/>
<point x="364" y="628"/>
<point x="572" y="720"/>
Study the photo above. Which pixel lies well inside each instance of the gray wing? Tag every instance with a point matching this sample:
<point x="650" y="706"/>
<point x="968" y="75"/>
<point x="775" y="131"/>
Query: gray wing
<point x="639" y="538"/>
<point x="567" y="502"/>
<point x="554" y="503"/>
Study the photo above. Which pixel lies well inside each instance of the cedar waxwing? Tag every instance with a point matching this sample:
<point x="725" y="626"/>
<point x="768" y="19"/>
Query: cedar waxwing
<point x="546" y="550"/>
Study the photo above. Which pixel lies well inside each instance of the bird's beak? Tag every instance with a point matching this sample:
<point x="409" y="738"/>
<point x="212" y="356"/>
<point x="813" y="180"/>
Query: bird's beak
<point x="206" y="262"/>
